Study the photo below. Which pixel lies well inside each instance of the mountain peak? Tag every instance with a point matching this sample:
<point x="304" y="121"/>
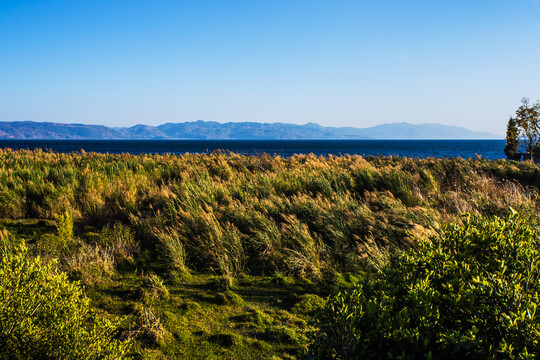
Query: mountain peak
<point x="201" y="129"/>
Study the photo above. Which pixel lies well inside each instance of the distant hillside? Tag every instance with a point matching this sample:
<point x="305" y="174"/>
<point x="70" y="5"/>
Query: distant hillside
<point x="206" y="130"/>
<point x="45" y="130"/>
<point x="142" y="132"/>
<point x="425" y="131"/>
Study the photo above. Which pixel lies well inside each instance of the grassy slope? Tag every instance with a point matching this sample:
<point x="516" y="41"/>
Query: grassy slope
<point x="227" y="256"/>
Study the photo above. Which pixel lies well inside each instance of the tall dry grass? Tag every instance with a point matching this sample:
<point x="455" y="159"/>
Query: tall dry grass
<point x="304" y="215"/>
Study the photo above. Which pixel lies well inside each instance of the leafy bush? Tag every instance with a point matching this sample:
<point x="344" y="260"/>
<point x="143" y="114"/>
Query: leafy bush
<point x="44" y="316"/>
<point x="64" y="227"/>
<point x="471" y="293"/>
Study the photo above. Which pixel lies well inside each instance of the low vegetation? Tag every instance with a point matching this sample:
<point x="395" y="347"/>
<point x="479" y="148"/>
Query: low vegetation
<point x="471" y="293"/>
<point x="45" y="316"/>
<point x="231" y="256"/>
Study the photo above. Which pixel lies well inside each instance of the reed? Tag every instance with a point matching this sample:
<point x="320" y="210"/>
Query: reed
<point x="231" y="214"/>
<point x="200" y="226"/>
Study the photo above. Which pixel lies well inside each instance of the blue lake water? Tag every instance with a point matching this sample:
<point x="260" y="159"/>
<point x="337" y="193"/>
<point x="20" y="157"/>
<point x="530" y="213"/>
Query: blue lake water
<point x="490" y="149"/>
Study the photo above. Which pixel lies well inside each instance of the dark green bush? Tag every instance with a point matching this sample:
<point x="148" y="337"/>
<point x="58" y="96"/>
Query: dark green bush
<point x="471" y="293"/>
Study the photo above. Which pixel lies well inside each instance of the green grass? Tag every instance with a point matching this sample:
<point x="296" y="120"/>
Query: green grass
<point x="257" y="317"/>
<point x="199" y="316"/>
<point x="229" y="256"/>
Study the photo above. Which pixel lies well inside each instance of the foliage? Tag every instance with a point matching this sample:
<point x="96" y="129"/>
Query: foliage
<point x="471" y="293"/>
<point x="512" y="139"/>
<point x="43" y="315"/>
<point x="528" y="124"/>
<point x="227" y="256"/>
<point x="64" y="227"/>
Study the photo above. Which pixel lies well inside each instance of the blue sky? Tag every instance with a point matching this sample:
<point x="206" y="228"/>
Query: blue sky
<point x="337" y="63"/>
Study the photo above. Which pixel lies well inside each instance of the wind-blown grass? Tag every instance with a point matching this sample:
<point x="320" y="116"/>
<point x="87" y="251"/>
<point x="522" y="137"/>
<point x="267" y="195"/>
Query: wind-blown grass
<point x="315" y="221"/>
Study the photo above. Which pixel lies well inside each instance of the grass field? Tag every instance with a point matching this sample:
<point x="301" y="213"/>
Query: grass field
<point x="229" y="256"/>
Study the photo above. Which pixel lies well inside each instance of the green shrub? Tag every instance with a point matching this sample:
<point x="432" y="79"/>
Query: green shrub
<point x="471" y="293"/>
<point x="64" y="227"/>
<point x="44" y="316"/>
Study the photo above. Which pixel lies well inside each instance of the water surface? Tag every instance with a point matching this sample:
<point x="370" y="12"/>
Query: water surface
<point x="490" y="149"/>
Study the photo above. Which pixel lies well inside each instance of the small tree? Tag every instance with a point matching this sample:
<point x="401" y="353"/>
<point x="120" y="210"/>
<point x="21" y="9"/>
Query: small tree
<point x="528" y="124"/>
<point x="512" y="139"/>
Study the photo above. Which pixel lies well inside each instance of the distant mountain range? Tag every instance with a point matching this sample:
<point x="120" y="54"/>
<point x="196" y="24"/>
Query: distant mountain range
<point x="211" y="130"/>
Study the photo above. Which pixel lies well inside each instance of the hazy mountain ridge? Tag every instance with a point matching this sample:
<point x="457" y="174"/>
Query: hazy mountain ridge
<point x="45" y="130"/>
<point x="206" y="130"/>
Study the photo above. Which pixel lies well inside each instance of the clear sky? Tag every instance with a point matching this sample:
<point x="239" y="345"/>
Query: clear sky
<point x="340" y="63"/>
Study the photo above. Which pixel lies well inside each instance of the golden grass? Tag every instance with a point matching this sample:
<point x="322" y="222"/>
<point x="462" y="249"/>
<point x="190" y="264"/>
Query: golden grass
<point x="233" y="214"/>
